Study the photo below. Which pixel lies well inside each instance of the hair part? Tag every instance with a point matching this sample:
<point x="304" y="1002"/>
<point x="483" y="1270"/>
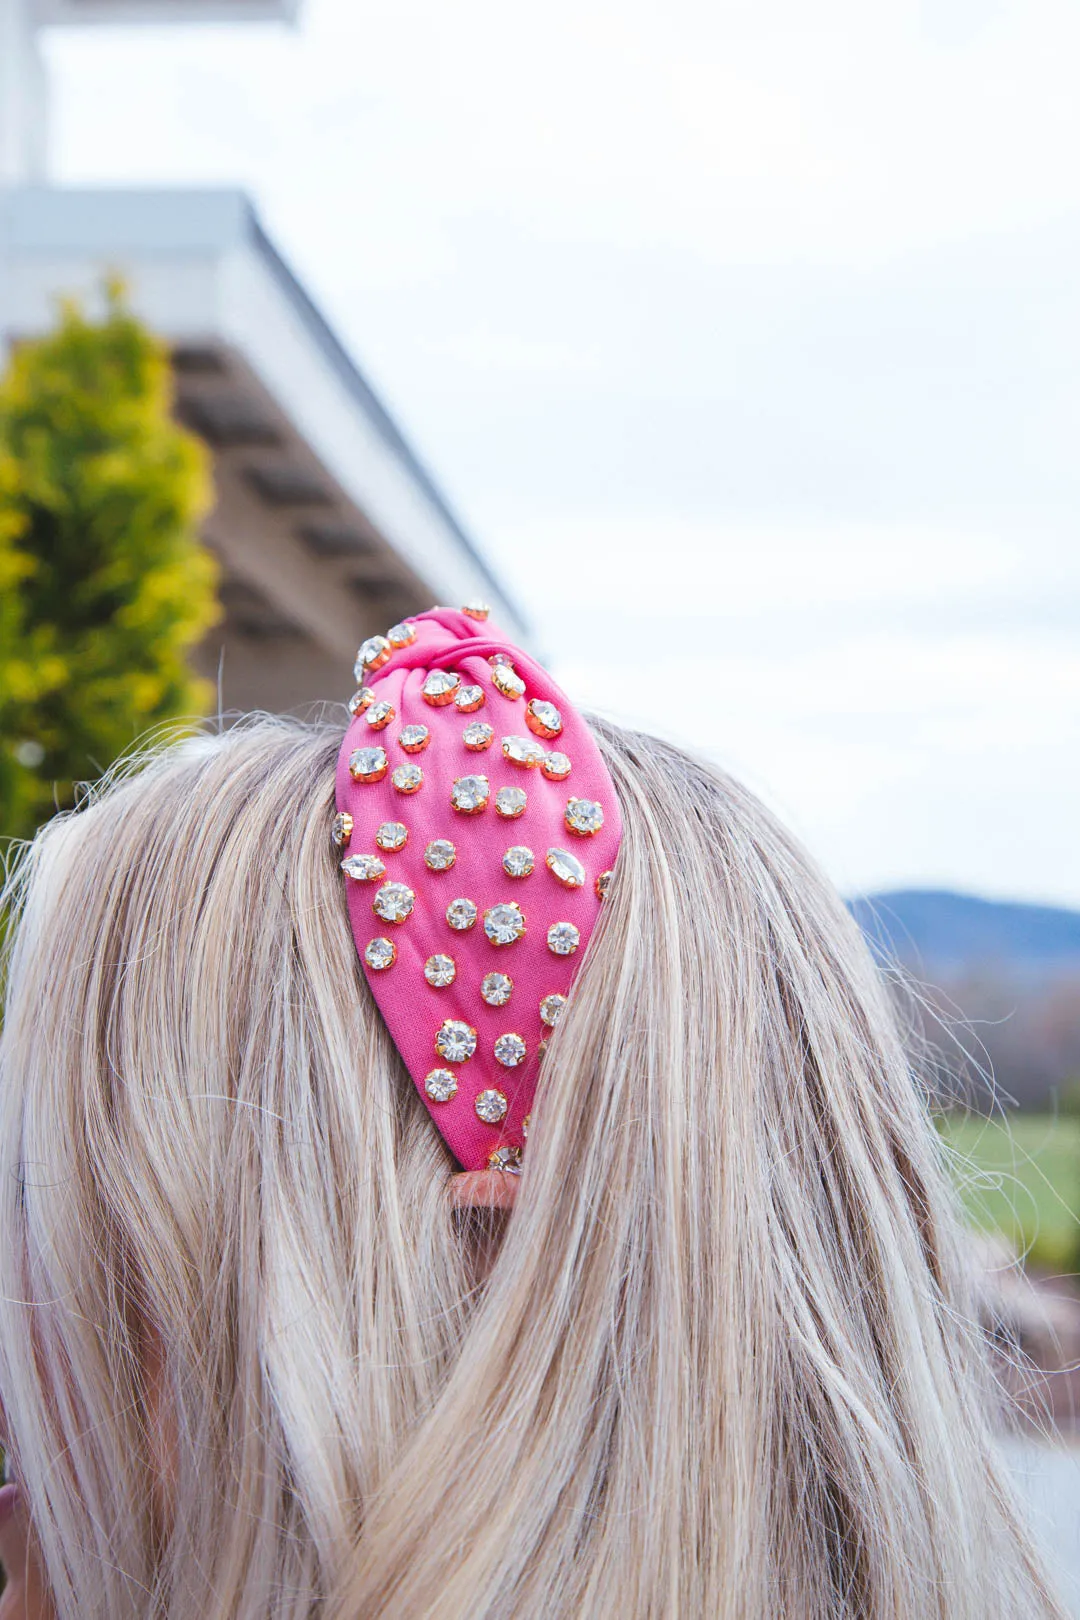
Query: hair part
<point x="722" y="1359"/>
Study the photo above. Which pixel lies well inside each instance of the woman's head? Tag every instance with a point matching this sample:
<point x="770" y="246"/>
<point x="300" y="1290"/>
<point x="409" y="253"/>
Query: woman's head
<point x="717" y="1361"/>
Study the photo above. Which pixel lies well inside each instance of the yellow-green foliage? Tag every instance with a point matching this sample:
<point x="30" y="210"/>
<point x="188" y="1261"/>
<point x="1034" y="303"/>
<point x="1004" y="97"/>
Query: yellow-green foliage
<point x="104" y="583"/>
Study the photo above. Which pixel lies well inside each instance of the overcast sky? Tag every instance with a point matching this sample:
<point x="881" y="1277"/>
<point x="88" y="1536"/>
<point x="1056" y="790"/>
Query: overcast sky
<point x="744" y="335"/>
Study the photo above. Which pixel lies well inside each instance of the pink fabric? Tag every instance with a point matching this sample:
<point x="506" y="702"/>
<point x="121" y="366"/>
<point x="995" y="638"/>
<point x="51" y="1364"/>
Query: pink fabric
<point x="413" y="1009"/>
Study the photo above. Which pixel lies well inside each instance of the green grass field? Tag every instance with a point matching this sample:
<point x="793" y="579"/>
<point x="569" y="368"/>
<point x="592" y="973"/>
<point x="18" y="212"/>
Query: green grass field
<point x="1022" y="1178"/>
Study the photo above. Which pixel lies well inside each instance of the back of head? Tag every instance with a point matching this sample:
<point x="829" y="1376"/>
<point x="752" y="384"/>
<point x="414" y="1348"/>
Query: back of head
<point x="718" y="1361"/>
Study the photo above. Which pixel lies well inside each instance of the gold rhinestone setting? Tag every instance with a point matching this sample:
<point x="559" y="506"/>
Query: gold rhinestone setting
<point x="373" y="654"/>
<point x="414" y="739"/>
<point x="462" y="915"/>
<point x="507" y="1158"/>
<point x="456" y="1040"/>
<point x="467" y="699"/>
<point x="407" y="778"/>
<point x="368" y="764"/>
<point x="491" y="1106"/>
<point x="394" y="902"/>
<point x="439" y="687"/>
<point x="583" y="817"/>
<point x="565" y="868"/>
<point x="504" y="924"/>
<point x="392" y="836"/>
<point x="440" y="971"/>
<point x="556" y="766"/>
<point x="511" y="802"/>
<point x="441" y="1085"/>
<point x="496" y="989"/>
<point x="543" y="718"/>
<point x="507" y="681"/>
<point x="363" y="868"/>
<point x="478" y="736"/>
<point x="379" y="715"/>
<point x="511" y="1050"/>
<point x="470" y="794"/>
<point x="551" y="1009"/>
<point x="519" y="861"/>
<point x="524" y="751"/>
<point x="380" y="954"/>
<point x="440" y="855"/>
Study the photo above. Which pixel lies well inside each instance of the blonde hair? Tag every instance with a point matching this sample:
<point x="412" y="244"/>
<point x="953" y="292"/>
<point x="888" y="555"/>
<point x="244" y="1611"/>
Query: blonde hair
<point x="719" y="1362"/>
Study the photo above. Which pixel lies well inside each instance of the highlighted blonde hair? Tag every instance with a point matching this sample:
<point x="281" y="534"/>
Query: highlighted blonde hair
<point x="719" y="1362"/>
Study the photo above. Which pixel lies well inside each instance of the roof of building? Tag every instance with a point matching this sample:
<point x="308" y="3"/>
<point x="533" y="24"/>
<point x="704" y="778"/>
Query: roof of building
<point x="324" y="508"/>
<point x="159" y="11"/>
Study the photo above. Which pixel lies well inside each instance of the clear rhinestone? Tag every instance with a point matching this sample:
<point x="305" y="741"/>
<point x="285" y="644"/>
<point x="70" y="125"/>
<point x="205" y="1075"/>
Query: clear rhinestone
<point x="476" y="610"/>
<point x="440" y="855"/>
<point x="401" y="635"/>
<point x="407" y="778"/>
<point x="555" y="766"/>
<point x="506" y="1158"/>
<point x="504" y="924"/>
<point x="461" y="914"/>
<point x="379" y="715"/>
<point x="566" y="867"/>
<point x="380" y="953"/>
<point x="522" y="751"/>
<point x="341" y="828"/>
<point x="361" y="700"/>
<point x="368" y="764"/>
<point x="496" y="988"/>
<point x="441" y="1085"/>
<point x="508" y="681"/>
<point x="470" y="794"/>
<point x="394" y="902"/>
<point x="392" y="835"/>
<point x="510" y="1050"/>
<point x="510" y="802"/>
<point x="526" y="1126"/>
<point x="543" y="718"/>
<point x="439" y="971"/>
<point x="478" y="736"/>
<point x="551" y="1009"/>
<point x="440" y="686"/>
<point x="364" y="868"/>
<point x="456" y="1041"/>
<point x="373" y="654"/>
<point x="502" y="659"/>
<point x="603" y="884"/>
<point x="518" y="861"/>
<point x="491" y="1106"/>
<point x="469" y="698"/>
<point x="563" y="938"/>
<point x="414" y="738"/>
<point x="584" y="816"/>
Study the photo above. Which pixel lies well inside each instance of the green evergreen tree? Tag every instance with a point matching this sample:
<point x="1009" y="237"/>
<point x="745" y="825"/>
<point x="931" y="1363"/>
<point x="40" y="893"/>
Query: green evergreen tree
<point x="105" y="585"/>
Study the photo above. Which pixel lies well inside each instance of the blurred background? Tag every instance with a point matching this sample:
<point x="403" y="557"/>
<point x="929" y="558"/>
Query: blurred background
<point x="726" y="349"/>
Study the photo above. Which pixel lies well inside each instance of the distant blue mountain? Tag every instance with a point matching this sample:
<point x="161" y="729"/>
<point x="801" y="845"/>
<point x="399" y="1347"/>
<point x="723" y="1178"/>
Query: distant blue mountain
<point x="936" y="932"/>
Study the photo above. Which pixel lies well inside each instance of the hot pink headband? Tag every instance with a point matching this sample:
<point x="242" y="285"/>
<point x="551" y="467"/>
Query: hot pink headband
<point x="478" y="825"/>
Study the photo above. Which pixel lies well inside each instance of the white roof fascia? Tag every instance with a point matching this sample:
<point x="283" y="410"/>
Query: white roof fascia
<point x="95" y="12"/>
<point x="350" y="442"/>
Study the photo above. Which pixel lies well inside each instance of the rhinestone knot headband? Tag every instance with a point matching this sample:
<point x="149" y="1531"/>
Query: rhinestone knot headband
<point x="477" y="826"/>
